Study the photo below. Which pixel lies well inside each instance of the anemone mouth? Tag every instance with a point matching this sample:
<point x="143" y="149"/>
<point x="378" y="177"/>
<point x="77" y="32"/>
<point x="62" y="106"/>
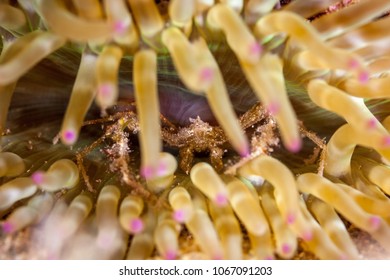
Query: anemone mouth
<point x="102" y="174"/>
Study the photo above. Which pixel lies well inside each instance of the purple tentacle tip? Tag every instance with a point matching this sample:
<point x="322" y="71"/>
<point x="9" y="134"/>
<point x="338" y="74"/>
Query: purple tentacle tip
<point x="170" y="255"/>
<point x="294" y="146"/>
<point x="286" y="248"/>
<point x="69" y="136"/>
<point x="290" y="219"/>
<point x="7" y="227"/>
<point x="136" y="225"/>
<point x="386" y="141"/>
<point x="37" y="177"/>
<point x="147" y="172"/>
<point x="375" y="222"/>
<point x="179" y="216"/>
<point x="221" y="199"/>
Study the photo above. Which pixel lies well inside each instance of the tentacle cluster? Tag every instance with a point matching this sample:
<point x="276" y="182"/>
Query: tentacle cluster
<point x="339" y="61"/>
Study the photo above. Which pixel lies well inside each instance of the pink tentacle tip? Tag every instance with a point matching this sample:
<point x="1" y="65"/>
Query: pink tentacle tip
<point x="221" y="199"/>
<point x="290" y="219"/>
<point x="286" y="248"/>
<point x="372" y="123"/>
<point x="244" y="151"/>
<point x="69" y="136"/>
<point x="269" y="258"/>
<point x="136" y="225"/>
<point x="120" y="27"/>
<point x="170" y="255"/>
<point x="218" y="257"/>
<point x="207" y="74"/>
<point x="273" y="108"/>
<point x="37" y="177"/>
<point x="375" y="222"/>
<point x="147" y="172"/>
<point x="255" y="48"/>
<point x="307" y="236"/>
<point x="179" y="216"/>
<point x="353" y="64"/>
<point x="363" y="77"/>
<point x="105" y="90"/>
<point x="162" y="169"/>
<point x="295" y="145"/>
<point x="386" y="141"/>
<point x="7" y="227"/>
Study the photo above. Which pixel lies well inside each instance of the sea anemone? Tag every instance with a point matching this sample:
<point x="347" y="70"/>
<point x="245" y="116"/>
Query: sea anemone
<point x="194" y="128"/>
